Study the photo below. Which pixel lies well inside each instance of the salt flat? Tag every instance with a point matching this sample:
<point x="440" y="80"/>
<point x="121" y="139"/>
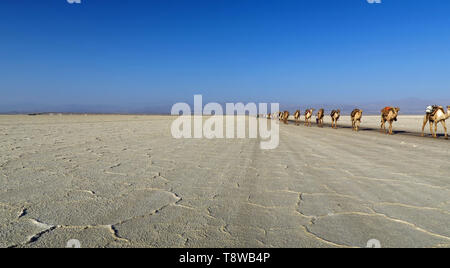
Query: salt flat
<point x="123" y="181"/>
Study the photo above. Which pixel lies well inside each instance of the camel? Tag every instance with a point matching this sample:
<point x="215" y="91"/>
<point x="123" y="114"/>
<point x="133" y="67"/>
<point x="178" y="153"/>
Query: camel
<point x="285" y="117"/>
<point x="319" y="117"/>
<point x="280" y="116"/>
<point x="388" y="114"/>
<point x="297" y="117"/>
<point x="435" y="115"/>
<point x="269" y="116"/>
<point x="356" y="119"/>
<point x="335" y="115"/>
<point x="308" y="115"/>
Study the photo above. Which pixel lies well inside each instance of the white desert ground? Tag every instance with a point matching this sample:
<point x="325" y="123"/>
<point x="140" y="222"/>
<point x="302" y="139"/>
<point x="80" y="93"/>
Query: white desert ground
<point x="123" y="181"/>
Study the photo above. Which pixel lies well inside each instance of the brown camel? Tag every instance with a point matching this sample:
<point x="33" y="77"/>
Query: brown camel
<point x="436" y="115"/>
<point x="319" y="117"/>
<point x="297" y="117"/>
<point x="280" y="116"/>
<point x="308" y="115"/>
<point x="388" y="114"/>
<point x="335" y="115"/>
<point x="285" y="117"/>
<point x="269" y="116"/>
<point x="356" y="119"/>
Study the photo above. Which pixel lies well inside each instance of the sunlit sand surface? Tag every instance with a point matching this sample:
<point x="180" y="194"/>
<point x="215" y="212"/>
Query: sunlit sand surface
<point x="123" y="181"/>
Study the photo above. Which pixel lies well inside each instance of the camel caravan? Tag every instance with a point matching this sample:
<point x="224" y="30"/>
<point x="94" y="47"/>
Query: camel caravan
<point x="434" y="115"/>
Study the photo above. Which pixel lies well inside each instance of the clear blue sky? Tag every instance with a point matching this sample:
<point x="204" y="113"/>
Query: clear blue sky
<point x="119" y="52"/>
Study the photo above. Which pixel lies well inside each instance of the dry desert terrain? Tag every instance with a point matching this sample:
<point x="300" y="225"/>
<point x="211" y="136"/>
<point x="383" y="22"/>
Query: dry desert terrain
<point x="123" y="181"/>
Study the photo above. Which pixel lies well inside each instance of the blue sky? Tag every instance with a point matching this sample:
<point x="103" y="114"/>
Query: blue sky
<point x="158" y="52"/>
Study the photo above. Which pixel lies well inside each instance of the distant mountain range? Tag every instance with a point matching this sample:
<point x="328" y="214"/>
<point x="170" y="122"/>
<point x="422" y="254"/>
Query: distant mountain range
<point x="407" y="106"/>
<point x="84" y="109"/>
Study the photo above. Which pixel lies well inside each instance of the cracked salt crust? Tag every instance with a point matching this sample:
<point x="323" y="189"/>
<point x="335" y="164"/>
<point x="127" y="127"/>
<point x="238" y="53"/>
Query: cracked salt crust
<point x="122" y="181"/>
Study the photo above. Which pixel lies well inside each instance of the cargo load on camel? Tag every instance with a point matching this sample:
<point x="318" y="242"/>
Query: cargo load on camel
<point x="432" y="109"/>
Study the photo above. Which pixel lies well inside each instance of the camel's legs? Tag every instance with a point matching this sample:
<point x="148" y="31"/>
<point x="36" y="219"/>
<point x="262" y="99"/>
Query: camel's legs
<point x="383" y="125"/>
<point x="431" y="129"/>
<point x="435" y="129"/>
<point x="445" y="128"/>
<point x="425" y="121"/>
<point x="390" y="127"/>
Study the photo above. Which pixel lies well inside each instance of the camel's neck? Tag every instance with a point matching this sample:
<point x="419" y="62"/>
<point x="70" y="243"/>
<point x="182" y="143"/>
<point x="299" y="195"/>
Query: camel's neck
<point x="447" y="115"/>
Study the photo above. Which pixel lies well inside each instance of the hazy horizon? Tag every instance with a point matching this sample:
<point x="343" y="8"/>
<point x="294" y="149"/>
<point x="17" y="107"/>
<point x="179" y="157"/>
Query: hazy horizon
<point x="408" y="106"/>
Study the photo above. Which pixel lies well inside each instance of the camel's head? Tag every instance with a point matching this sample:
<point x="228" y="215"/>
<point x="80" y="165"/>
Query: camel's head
<point x="448" y="107"/>
<point x="338" y="111"/>
<point x="396" y="109"/>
